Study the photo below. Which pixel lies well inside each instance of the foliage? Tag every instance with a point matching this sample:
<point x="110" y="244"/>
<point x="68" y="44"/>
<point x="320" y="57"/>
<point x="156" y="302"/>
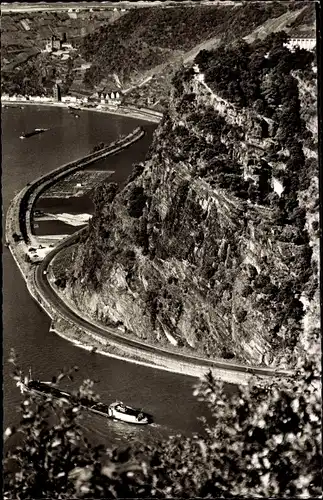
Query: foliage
<point x="62" y="264"/>
<point x="36" y="76"/>
<point x="16" y="237"/>
<point x="267" y="436"/>
<point x="259" y="72"/>
<point x="104" y="194"/>
<point x="265" y="441"/>
<point x="137" y="170"/>
<point x="137" y="201"/>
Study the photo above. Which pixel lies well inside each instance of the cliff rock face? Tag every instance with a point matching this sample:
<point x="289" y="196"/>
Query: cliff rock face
<point x="207" y="247"/>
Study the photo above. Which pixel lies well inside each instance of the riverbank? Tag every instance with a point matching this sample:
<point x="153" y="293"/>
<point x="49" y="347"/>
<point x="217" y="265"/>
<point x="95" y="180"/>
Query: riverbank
<point x="130" y="112"/>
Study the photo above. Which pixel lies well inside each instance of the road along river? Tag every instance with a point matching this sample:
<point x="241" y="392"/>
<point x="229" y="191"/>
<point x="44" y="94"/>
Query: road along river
<point x="67" y="317"/>
<point x="26" y="327"/>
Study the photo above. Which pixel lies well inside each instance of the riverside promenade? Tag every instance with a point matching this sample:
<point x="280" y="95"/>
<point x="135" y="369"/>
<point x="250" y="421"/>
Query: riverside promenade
<point x="128" y="111"/>
<point x="72" y="324"/>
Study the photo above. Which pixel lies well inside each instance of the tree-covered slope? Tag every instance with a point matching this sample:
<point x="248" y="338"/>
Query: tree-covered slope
<point x="125" y="47"/>
<point x="155" y="35"/>
<point x="210" y="244"/>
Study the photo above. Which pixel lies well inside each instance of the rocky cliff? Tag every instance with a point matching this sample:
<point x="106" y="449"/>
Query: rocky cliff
<point x="209" y="246"/>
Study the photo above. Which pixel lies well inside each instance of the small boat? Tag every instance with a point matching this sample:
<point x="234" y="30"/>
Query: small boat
<point x="119" y="411"/>
<point x="25" y="135"/>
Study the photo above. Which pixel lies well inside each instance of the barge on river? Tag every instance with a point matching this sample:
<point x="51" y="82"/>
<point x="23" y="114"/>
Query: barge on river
<point x="117" y="410"/>
<point x="36" y="131"/>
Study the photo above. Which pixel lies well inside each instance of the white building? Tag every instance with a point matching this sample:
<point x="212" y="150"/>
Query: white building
<point x="67" y="46"/>
<point x="307" y="43"/>
<point x="85" y="66"/>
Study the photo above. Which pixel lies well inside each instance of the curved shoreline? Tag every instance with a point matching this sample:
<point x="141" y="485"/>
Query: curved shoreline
<point x="126" y="111"/>
<point x="108" y="341"/>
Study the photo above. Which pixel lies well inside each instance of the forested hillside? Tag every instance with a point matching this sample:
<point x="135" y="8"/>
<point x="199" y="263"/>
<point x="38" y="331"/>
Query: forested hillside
<point x="155" y="35"/>
<point x="212" y="244"/>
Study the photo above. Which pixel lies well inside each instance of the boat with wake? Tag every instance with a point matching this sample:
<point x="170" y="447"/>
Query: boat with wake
<point x="120" y="411"/>
<point x="117" y="410"/>
<point x="26" y="135"/>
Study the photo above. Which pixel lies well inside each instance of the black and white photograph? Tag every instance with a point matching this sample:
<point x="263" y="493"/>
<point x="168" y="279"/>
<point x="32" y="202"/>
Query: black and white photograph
<point x="161" y="249"/>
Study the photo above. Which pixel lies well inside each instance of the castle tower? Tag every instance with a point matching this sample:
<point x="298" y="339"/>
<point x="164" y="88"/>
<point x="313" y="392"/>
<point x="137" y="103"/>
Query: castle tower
<point x="57" y="92"/>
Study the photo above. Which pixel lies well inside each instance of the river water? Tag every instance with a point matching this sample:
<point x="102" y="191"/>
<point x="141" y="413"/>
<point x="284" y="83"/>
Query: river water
<point x="165" y="395"/>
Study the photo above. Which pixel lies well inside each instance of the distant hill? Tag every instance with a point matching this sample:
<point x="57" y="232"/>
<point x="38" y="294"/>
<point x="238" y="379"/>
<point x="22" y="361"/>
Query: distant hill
<point x="24" y="35"/>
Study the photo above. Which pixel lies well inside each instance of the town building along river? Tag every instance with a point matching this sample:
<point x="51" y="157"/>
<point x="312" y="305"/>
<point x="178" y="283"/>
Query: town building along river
<point x="26" y="327"/>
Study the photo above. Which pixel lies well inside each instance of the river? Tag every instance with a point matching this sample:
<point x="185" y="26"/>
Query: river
<point x="165" y="395"/>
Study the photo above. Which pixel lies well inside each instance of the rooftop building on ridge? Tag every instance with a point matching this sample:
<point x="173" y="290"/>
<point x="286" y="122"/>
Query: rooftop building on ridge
<point x="302" y="42"/>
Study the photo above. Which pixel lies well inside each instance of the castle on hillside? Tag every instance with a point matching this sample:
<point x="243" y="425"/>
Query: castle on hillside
<point x="56" y="43"/>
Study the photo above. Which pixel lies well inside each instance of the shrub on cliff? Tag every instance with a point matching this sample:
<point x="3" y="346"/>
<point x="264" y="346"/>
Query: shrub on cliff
<point x="265" y="442"/>
<point x="137" y="170"/>
<point x="103" y="195"/>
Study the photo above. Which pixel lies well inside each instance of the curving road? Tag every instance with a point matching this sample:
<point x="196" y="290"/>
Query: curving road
<point x="44" y="288"/>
